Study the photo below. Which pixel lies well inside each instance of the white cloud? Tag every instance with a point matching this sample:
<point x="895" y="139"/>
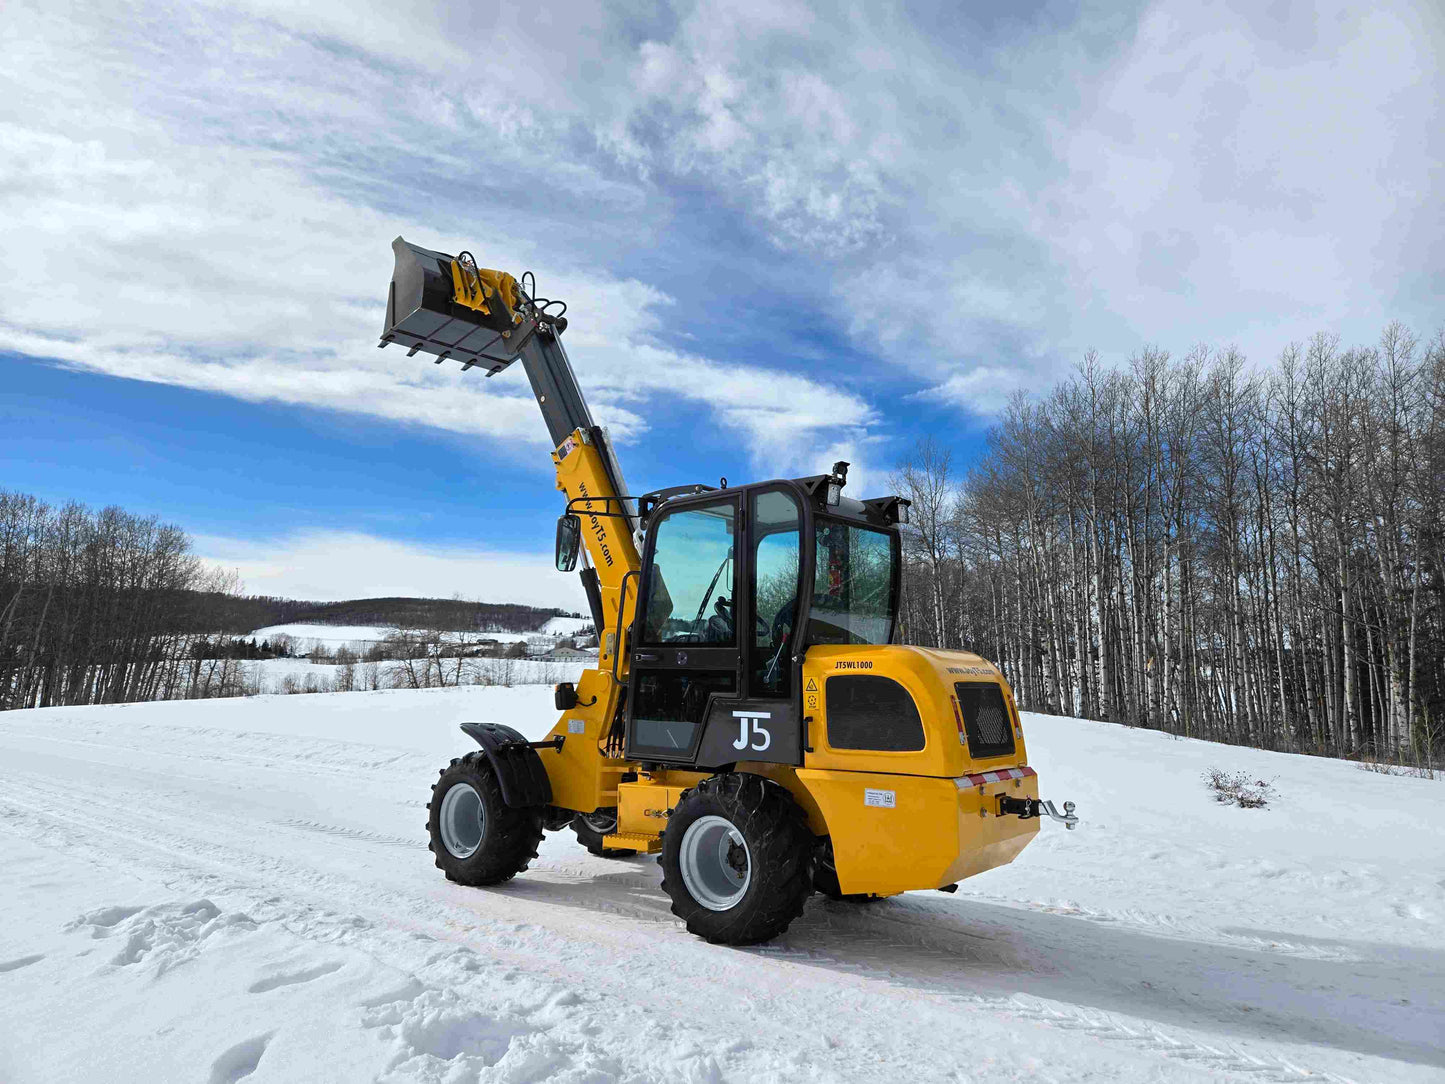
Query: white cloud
<point x="1233" y="172"/>
<point x="202" y="195"/>
<point x="1233" y="177"/>
<point x="983" y="390"/>
<point x="331" y="566"/>
<point x="170" y="221"/>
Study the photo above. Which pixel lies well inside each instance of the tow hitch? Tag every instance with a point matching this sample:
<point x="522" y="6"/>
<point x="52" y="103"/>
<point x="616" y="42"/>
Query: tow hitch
<point x="1029" y="808"/>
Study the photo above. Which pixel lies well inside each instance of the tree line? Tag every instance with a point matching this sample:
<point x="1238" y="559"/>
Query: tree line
<point x="107" y="607"/>
<point x="236" y="613"/>
<point x="1190" y="544"/>
<point x="95" y="606"/>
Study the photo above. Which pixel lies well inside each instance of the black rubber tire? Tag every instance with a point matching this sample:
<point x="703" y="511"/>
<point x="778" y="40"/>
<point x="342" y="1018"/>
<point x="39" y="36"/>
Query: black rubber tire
<point x="825" y="882"/>
<point x="509" y="838"/>
<point x="781" y="847"/>
<point x="590" y="838"/>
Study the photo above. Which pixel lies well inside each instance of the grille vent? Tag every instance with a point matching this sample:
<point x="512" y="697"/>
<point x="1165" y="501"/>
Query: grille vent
<point x="985" y="719"/>
<point x="871" y="712"/>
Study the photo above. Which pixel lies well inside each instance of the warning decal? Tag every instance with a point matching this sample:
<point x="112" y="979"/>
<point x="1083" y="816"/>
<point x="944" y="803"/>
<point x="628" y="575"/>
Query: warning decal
<point x="812" y="685"/>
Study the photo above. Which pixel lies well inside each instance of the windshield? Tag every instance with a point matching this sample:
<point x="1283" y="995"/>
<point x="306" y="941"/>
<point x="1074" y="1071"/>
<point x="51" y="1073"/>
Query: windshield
<point x="853" y="585"/>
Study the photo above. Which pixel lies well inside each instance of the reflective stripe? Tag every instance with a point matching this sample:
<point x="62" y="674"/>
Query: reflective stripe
<point x="998" y="775"/>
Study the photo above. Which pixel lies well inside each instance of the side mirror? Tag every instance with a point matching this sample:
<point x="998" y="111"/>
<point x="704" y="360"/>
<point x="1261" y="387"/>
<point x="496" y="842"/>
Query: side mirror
<point x="569" y="539"/>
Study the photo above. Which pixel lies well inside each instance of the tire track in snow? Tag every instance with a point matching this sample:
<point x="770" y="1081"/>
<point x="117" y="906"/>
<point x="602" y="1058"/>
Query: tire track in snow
<point x="342" y="831"/>
<point x="1165" y="925"/>
<point x="1217" y="1057"/>
<point x="410" y="1015"/>
<point x="324" y="757"/>
<point x="215" y="745"/>
<point x="630" y="897"/>
<point x="873" y="950"/>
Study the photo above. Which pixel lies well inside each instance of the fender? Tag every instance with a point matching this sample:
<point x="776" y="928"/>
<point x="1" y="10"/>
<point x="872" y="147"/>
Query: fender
<point x="519" y="769"/>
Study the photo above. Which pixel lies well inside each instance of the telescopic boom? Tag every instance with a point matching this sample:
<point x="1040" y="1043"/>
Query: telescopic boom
<point x="449" y="307"/>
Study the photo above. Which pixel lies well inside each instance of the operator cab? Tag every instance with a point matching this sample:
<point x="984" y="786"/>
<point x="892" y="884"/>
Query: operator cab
<point x="736" y="584"/>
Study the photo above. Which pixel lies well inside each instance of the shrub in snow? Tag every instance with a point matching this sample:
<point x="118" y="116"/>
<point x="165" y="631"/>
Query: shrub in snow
<point x="1236" y="788"/>
<point x="1387" y="768"/>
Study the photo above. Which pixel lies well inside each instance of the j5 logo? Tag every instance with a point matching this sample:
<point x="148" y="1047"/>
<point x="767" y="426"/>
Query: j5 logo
<point x="751" y="732"/>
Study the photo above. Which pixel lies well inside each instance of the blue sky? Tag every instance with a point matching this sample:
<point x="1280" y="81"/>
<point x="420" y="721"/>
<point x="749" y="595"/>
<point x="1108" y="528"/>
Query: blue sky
<point x="788" y="234"/>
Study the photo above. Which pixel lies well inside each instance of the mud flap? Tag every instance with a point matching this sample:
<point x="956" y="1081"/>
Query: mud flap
<point x="519" y="769"/>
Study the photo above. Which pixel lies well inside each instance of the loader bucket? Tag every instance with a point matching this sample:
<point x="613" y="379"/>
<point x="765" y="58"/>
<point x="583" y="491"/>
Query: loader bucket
<point x="422" y="314"/>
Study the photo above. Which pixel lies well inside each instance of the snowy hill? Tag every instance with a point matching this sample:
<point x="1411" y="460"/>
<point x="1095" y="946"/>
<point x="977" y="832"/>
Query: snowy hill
<point x="330" y="636"/>
<point x="334" y="636"/>
<point x="565" y="626"/>
<point x="240" y="889"/>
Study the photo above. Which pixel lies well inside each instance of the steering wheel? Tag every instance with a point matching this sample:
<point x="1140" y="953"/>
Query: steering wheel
<point x="720" y="625"/>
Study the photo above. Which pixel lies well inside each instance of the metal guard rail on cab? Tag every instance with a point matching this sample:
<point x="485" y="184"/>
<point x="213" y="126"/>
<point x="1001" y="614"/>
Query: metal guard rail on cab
<point x="621" y="609"/>
<point x="570" y="511"/>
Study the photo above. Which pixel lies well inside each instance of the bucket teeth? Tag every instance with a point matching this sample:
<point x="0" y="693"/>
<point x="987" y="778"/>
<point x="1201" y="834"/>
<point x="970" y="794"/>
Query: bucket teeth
<point x="424" y="314"/>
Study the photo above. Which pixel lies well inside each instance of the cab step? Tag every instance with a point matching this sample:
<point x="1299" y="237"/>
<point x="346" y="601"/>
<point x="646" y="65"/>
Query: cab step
<point x="641" y="844"/>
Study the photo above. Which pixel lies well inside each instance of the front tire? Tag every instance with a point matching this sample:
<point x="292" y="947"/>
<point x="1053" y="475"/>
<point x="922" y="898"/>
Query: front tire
<point x="737" y="859"/>
<point x="476" y="838"/>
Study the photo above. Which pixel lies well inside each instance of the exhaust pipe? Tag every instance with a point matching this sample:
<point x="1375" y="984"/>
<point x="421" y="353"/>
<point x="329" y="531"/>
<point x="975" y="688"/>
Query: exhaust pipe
<point x="448" y="307"/>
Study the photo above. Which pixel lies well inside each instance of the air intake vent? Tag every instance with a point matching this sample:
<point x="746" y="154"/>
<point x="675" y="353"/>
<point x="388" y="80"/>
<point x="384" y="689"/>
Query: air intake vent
<point x="870" y="712"/>
<point x="985" y="719"/>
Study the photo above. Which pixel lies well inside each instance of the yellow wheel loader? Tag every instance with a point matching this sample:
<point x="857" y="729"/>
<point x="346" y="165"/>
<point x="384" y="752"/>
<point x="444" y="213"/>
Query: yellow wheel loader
<point x="749" y="718"/>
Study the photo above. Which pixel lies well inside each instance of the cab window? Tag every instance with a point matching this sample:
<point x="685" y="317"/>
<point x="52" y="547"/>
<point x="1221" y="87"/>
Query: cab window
<point x="853" y="588"/>
<point x="690" y="584"/>
<point x="776" y="557"/>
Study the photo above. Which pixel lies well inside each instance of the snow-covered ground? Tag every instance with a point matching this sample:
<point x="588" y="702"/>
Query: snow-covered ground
<point x="334" y="636"/>
<point x="331" y="636"/>
<point x="240" y="889"/>
<point x="276" y="675"/>
<point x="565" y="626"/>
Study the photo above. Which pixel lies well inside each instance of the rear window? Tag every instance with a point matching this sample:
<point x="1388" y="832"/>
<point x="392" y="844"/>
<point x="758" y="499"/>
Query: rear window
<point x="985" y="719"/>
<point x="871" y="712"/>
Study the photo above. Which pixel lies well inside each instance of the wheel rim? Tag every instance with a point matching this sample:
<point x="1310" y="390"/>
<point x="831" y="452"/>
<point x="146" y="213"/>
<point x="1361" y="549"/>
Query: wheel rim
<point x="717" y="866"/>
<point x="603" y="822"/>
<point x="463" y="819"/>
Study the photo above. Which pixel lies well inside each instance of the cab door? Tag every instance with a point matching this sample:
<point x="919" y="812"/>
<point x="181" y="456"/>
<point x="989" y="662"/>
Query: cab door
<point x="763" y="723"/>
<point x="686" y="643"/>
<point x="757" y="719"/>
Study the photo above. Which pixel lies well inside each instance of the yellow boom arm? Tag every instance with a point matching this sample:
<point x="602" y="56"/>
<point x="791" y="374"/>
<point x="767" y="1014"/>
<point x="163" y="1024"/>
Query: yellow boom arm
<point x="583" y="476"/>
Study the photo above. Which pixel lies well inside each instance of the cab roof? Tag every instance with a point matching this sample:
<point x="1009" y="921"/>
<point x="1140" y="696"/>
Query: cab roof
<point x="877" y="512"/>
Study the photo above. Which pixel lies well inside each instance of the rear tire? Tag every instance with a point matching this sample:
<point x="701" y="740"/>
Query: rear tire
<point x="592" y="828"/>
<point x="476" y="838"/>
<point x="737" y="859"/>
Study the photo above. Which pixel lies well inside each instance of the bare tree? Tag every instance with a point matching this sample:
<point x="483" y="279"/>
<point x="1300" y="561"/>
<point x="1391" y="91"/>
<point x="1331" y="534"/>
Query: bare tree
<point x="1197" y="546"/>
